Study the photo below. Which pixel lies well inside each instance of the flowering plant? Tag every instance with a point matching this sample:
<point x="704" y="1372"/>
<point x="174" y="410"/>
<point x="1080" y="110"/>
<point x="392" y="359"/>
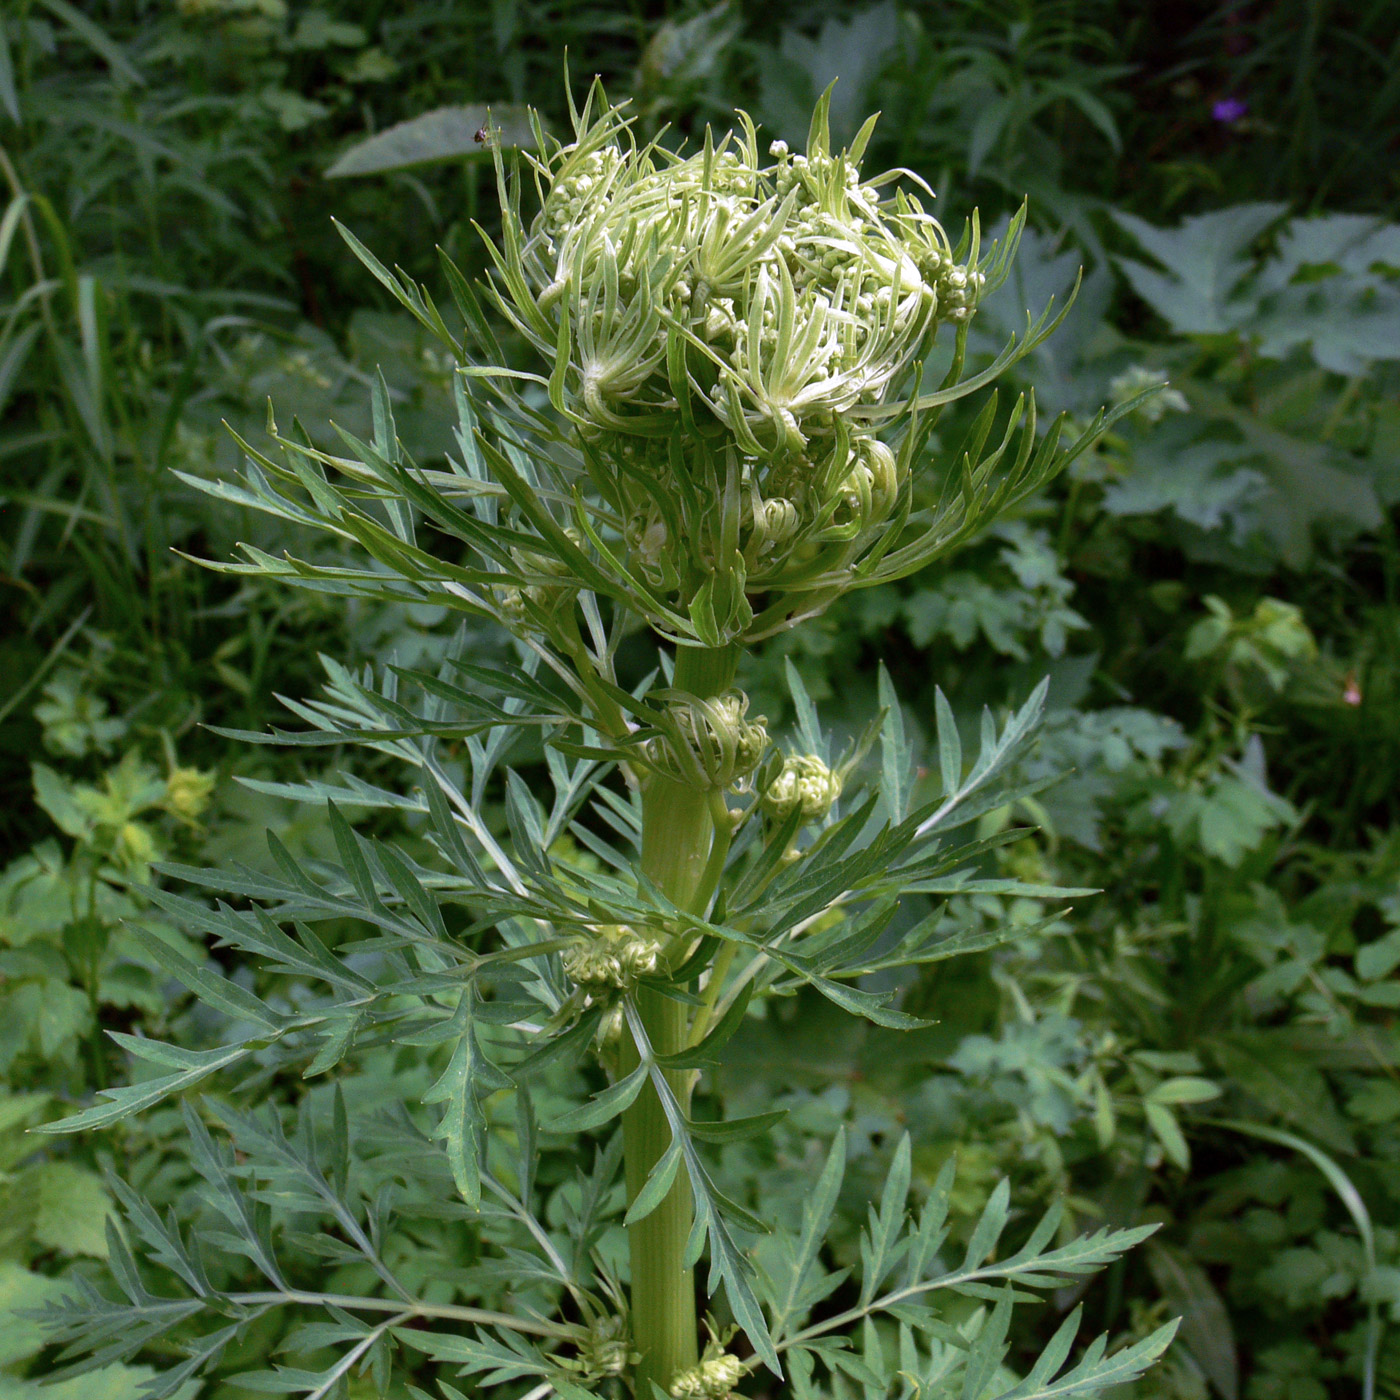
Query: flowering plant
<point x="731" y="433"/>
<point x="737" y="349"/>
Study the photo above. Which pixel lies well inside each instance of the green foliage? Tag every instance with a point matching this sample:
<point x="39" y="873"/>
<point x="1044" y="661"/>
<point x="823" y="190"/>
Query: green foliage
<point x="544" y="962"/>
<point x="1211" y="590"/>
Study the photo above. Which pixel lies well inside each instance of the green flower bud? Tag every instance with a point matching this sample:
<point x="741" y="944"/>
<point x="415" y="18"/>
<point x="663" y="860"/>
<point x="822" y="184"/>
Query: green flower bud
<point x="650" y="548"/>
<point x="609" y="1034"/>
<point x="612" y="958"/>
<point x="187" y="792"/>
<point x="869" y="492"/>
<point x="710" y="742"/>
<point x="804" y="783"/>
<point x="606" y="1351"/>
<point x="710" y="1379"/>
<point x="771" y="526"/>
<point x="555" y="588"/>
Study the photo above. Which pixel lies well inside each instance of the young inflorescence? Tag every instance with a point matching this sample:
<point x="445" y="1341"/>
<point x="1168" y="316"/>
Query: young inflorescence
<point x="720" y="327"/>
<point x="610" y="958"/>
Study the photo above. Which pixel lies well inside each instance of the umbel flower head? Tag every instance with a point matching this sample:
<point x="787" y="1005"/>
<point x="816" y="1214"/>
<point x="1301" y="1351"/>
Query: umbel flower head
<point x="729" y="333"/>
<point x="761" y="298"/>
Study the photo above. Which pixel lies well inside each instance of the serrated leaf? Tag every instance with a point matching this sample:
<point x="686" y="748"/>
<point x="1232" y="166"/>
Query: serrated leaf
<point x="208" y="985"/>
<point x="1205" y="261"/>
<point x="128" y="1099"/>
<point x="895" y="756"/>
<point x="735" y="1129"/>
<point x="459" y="1090"/>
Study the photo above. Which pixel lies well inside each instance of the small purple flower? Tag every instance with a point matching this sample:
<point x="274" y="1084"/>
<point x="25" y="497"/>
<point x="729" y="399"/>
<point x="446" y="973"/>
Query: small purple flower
<point x="1229" y="110"/>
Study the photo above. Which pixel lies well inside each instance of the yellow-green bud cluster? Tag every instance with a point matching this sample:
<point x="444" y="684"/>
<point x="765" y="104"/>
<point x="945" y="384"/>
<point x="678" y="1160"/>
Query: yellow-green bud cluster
<point x="611" y="958"/>
<point x="709" y="1379"/>
<point x="606" y="1351"/>
<point x="804" y="783"/>
<point x="709" y="742"/>
<point x="187" y="792"/>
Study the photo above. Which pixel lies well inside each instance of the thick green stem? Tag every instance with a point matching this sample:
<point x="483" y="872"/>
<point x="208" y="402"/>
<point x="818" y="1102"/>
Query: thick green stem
<point x="677" y="834"/>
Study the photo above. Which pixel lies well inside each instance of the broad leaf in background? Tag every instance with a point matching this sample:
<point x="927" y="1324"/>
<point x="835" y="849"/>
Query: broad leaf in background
<point x="447" y="134"/>
<point x="1207" y="260"/>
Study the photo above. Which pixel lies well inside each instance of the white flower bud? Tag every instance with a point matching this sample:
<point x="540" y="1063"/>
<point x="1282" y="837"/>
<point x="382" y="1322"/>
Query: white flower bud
<point x="779" y="521"/>
<point x="552" y="293"/>
<point x="804" y="783"/>
<point x="673" y="298"/>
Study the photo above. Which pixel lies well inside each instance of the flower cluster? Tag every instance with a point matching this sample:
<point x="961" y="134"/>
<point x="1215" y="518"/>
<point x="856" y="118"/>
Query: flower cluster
<point x="710" y="742"/>
<point x="611" y="958"/>
<point x="550" y="587"/>
<point x="712" y="1378"/>
<point x="804" y="782"/>
<point x="716" y="324"/>
<point x="607" y="1350"/>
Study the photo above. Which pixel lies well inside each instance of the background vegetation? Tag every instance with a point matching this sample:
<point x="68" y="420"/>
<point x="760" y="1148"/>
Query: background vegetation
<point x="1210" y="1042"/>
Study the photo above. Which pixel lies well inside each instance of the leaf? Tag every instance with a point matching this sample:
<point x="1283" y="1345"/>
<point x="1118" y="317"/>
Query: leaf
<point x="95" y="37"/>
<point x="23" y="1337"/>
<point x="210" y="986"/>
<point x="1168" y="1132"/>
<point x="989" y="1226"/>
<point x="1184" y="1089"/>
<point x="895" y="755"/>
<point x="986" y="130"/>
<point x="807" y="723"/>
<point x="706" y="1051"/>
<point x="1205" y="263"/>
<point x="686" y="51"/>
<point x="879" y="1249"/>
<point x="657" y="1184"/>
<point x="1210" y="482"/>
<point x="1326" y="287"/>
<point x="1206" y="1328"/>
<point x="853" y="51"/>
<point x="9" y="99"/>
<point x="132" y="1098"/>
<point x="60" y="800"/>
<point x="444" y="134"/>
<point x="1379" y="958"/>
<point x="603" y="1106"/>
<point x="1094" y="1373"/>
<point x="817" y="1209"/>
<point x="949" y="744"/>
<point x="475" y="1354"/>
<point x="73" y="1207"/>
<point x="735" y="1129"/>
<point x="992" y="756"/>
<point x="459" y="1090"/>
